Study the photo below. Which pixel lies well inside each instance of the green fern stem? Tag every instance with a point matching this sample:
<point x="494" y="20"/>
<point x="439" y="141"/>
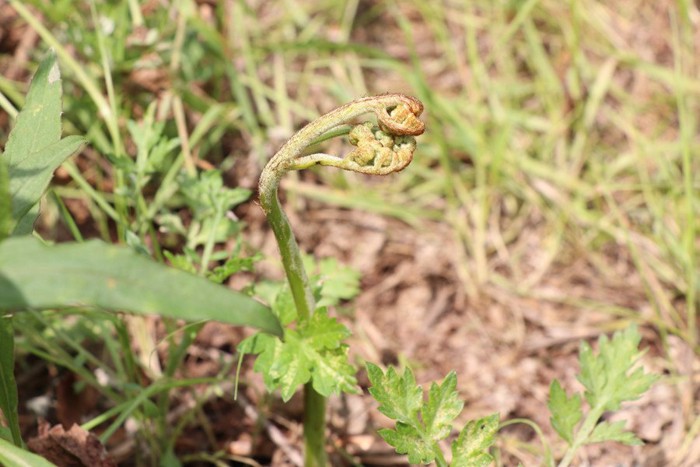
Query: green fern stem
<point x="380" y="150"/>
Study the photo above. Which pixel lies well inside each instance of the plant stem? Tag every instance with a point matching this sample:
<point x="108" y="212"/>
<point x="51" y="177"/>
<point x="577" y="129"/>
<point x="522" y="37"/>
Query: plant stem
<point x="314" y="427"/>
<point x="379" y="151"/>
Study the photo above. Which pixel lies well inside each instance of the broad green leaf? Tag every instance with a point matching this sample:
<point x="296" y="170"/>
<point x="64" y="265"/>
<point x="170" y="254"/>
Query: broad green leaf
<point x="96" y="274"/>
<point x="8" y="386"/>
<point x="38" y="124"/>
<point x="606" y="376"/>
<point x="566" y="411"/>
<point x="606" y="431"/>
<point x="12" y="456"/>
<point x="444" y="405"/>
<point x="398" y="395"/>
<point x="25" y="225"/>
<point x="471" y="448"/>
<point x="35" y="148"/>
<point x="407" y="439"/>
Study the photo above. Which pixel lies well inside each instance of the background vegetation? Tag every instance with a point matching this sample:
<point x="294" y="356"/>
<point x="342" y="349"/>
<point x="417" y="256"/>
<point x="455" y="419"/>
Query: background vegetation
<point x="554" y="197"/>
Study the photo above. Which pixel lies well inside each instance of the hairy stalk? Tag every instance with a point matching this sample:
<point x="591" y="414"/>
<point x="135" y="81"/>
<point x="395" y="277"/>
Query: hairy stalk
<point x="380" y="150"/>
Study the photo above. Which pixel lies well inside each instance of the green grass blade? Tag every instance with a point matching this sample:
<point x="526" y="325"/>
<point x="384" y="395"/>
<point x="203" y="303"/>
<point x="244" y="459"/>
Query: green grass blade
<point x="8" y="386"/>
<point x="34" y="276"/>
<point x="12" y="456"/>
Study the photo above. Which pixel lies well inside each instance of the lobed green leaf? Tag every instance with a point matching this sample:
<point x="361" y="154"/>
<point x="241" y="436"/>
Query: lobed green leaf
<point x="470" y="449"/>
<point x="338" y="282"/>
<point x="314" y="352"/>
<point x="398" y="395"/>
<point x="333" y="372"/>
<point x="444" y="405"/>
<point x="606" y="431"/>
<point x="323" y="331"/>
<point x="606" y="376"/>
<point x="566" y="411"/>
<point x="407" y="439"/>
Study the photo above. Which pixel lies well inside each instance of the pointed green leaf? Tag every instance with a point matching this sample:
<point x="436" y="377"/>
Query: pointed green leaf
<point x="566" y="412"/>
<point x="38" y="124"/>
<point x="96" y="274"/>
<point x="35" y="148"/>
<point x="471" y="448"/>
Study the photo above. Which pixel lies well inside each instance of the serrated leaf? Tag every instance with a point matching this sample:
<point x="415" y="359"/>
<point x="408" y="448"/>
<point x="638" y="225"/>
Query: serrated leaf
<point x="291" y="366"/>
<point x="606" y="376"/>
<point x="303" y="357"/>
<point x="444" y="405"/>
<point x="606" y="431"/>
<point x="566" y="411"/>
<point x="338" y="282"/>
<point x="323" y="331"/>
<point x="95" y="274"/>
<point x="470" y="449"/>
<point x="406" y="439"/>
<point x="333" y="373"/>
<point x="398" y="395"/>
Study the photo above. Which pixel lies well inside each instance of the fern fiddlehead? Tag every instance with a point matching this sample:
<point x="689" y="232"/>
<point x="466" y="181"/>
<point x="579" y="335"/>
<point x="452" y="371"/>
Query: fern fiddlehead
<point x="380" y="149"/>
